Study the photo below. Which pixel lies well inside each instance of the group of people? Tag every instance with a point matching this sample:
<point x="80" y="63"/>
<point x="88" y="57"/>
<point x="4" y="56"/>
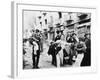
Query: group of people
<point x="63" y="49"/>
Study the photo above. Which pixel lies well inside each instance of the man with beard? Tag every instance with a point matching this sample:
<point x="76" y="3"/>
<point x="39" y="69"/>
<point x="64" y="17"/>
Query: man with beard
<point x="58" y="37"/>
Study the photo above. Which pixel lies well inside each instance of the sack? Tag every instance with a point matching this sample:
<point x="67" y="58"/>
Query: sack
<point x="80" y="48"/>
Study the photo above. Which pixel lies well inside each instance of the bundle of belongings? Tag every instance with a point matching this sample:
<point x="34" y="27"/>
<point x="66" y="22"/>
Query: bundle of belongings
<point x="80" y="46"/>
<point x="68" y="55"/>
<point x="54" y="48"/>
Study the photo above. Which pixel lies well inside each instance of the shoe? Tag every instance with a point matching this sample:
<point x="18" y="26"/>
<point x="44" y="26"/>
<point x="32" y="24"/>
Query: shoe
<point x="37" y="67"/>
<point x="33" y="67"/>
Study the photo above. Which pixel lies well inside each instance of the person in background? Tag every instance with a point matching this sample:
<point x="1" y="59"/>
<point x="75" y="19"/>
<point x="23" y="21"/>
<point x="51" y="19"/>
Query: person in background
<point x="52" y="52"/>
<point x="87" y="56"/>
<point x="60" y="47"/>
<point x="74" y="40"/>
<point x="70" y="49"/>
<point x="80" y="48"/>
